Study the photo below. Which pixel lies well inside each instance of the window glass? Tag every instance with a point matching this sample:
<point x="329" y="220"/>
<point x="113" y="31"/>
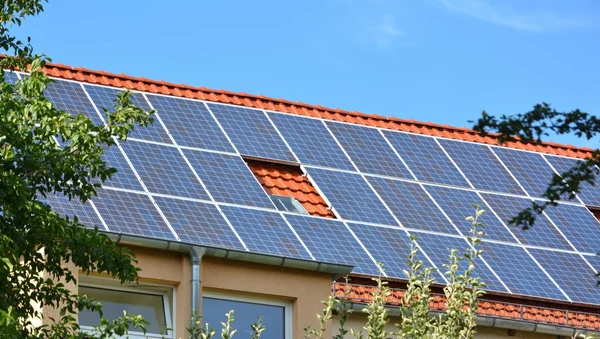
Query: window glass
<point x="245" y="314"/>
<point x="150" y="306"/>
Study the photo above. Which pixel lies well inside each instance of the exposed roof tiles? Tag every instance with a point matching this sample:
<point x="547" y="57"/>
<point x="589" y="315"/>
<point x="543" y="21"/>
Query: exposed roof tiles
<point x="281" y="105"/>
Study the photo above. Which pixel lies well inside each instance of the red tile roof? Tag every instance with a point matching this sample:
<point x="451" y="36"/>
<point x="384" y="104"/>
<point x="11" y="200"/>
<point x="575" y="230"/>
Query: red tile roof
<point x="281" y="105"/>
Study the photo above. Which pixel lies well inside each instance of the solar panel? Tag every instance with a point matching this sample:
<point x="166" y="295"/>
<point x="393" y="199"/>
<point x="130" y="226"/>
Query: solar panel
<point x="519" y="272"/>
<point x="310" y="141"/>
<point x="190" y="123"/>
<point x="481" y="167"/>
<point x="530" y="169"/>
<point x="251" y="132"/>
<point x="265" y="232"/>
<point x="590" y="195"/>
<point x="543" y="233"/>
<point x="425" y="158"/>
<point x="198" y="223"/>
<point x="457" y="204"/>
<point x="438" y="249"/>
<point x="411" y="205"/>
<point x="369" y="150"/>
<point x="351" y="197"/>
<point x="124" y="178"/>
<point x="65" y="207"/>
<point x="579" y="226"/>
<point x="163" y="170"/>
<point x="571" y="273"/>
<point x="389" y="246"/>
<point x="106" y="97"/>
<point x="10" y="77"/>
<point x="330" y="241"/>
<point x="131" y="213"/>
<point x="70" y="97"/>
<point x="228" y="179"/>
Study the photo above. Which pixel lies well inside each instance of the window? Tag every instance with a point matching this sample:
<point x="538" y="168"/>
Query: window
<point x="153" y="306"/>
<point x="276" y="315"/>
<point x="288" y="204"/>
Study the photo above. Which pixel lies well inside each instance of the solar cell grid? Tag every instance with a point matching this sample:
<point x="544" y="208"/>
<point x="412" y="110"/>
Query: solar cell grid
<point x="265" y="232"/>
<point x="330" y="241"/>
<point x="310" y="141"/>
<point x="530" y="169"/>
<point x="438" y="249"/>
<point x="590" y="195"/>
<point x="70" y="97"/>
<point x="163" y="170"/>
<point x="481" y="167"/>
<point x="369" y="150"/>
<point x="457" y="204"/>
<point x="105" y="97"/>
<point x="190" y="123"/>
<point x="579" y="226"/>
<point x="10" y="77"/>
<point x="351" y="197"/>
<point x="519" y="272"/>
<point x="543" y="233"/>
<point x="228" y="179"/>
<point x="251" y="132"/>
<point x="425" y="158"/>
<point x="124" y="178"/>
<point x="411" y="205"/>
<point x="131" y="213"/>
<point x="571" y="273"/>
<point x="198" y="223"/>
<point x="65" y="207"/>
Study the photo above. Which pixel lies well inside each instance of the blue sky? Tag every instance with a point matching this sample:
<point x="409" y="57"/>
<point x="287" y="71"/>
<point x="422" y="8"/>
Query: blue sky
<point x="442" y="61"/>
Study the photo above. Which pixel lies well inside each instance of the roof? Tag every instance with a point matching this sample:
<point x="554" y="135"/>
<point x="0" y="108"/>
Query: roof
<point x="286" y="106"/>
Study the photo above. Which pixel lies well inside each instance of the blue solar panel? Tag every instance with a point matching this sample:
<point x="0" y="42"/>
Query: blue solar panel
<point x="530" y="169"/>
<point x="65" y="207"/>
<point x="389" y="246"/>
<point x="228" y="179"/>
<point x="71" y="98"/>
<point x="190" y="123"/>
<point x="198" y="223"/>
<point x="10" y="77"/>
<point x="265" y="232"/>
<point x="311" y="142"/>
<point x="251" y="132"/>
<point x="330" y="241"/>
<point x="438" y="249"/>
<point x="543" y="233"/>
<point x="124" y="178"/>
<point x="590" y="195"/>
<point x="481" y="167"/>
<point x="411" y="205"/>
<point x="457" y="204"/>
<point x="351" y="196"/>
<point x="163" y="170"/>
<point x="571" y="273"/>
<point x="519" y="272"/>
<point x="131" y="213"/>
<point x="369" y="150"/>
<point x="106" y="97"/>
<point x="425" y="158"/>
<point x="578" y="224"/>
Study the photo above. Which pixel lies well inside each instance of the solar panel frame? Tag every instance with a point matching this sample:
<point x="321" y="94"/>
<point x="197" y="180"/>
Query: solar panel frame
<point x="70" y="97"/>
<point x="590" y="195"/>
<point x="10" y="77"/>
<point x="578" y="224"/>
<point x="125" y="177"/>
<point x="62" y="206"/>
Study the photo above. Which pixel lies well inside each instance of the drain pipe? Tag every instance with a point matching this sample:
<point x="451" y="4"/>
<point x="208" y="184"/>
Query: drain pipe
<point x="196" y="254"/>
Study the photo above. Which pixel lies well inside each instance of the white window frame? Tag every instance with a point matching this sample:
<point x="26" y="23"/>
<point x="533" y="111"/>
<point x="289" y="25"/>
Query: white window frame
<point x="143" y="289"/>
<point x="287" y="306"/>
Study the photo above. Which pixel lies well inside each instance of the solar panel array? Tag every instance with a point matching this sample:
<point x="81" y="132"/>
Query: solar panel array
<point x="184" y="179"/>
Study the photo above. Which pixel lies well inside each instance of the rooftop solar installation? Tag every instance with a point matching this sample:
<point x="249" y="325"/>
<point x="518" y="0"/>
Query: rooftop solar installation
<point x="124" y="178"/>
<point x="251" y="132"/>
<point x="479" y="165"/>
<point x="71" y="98"/>
<point x="590" y="195"/>
<point x="578" y="224"/>
<point x="65" y="207"/>
<point x="425" y="158"/>
<point x="10" y="77"/>
<point x="369" y="150"/>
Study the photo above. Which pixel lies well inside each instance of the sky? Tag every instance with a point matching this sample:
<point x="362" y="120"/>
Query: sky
<point x="443" y="61"/>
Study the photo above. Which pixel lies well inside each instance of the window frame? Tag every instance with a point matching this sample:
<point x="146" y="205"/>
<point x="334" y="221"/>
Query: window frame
<point x="253" y="299"/>
<point x="142" y="289"/>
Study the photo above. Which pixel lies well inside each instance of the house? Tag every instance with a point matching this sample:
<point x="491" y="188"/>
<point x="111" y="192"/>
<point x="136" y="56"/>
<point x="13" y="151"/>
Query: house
<point x="262" y="205"/>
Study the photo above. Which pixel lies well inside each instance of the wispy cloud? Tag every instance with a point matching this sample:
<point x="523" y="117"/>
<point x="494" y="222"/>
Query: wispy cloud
<point x="385" y="33"/>
<point x="540" y="21"/>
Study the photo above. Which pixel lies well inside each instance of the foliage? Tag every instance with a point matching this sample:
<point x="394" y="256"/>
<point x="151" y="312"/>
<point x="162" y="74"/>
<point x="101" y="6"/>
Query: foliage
<point x="198" y="331"/>
<point x="45" y="151"/>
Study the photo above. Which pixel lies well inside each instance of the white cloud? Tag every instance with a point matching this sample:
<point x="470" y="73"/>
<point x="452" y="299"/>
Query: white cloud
<point x="385" y="33"/>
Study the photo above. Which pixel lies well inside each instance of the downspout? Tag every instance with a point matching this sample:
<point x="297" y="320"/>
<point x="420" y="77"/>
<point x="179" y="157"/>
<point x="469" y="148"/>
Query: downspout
<point x="196" y="254"/>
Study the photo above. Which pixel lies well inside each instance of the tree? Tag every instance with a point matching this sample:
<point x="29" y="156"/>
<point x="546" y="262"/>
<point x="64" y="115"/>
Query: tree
<point x="46" y="151"/>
